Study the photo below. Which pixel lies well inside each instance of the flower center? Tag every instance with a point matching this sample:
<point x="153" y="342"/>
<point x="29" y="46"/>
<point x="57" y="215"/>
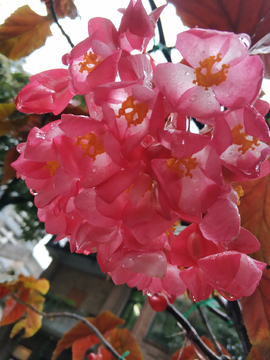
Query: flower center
<point x="205" y="77"/>
<point x="134" y="113"/>
<point x="52" y="166"/>
<point x="90" y="145"/>
<point x="240" y="138"/>
<point x="182" y="166"/>
<point x="89" y="59"/>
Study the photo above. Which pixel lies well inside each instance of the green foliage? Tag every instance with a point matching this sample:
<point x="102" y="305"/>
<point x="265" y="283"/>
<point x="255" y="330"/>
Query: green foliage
<point x="12" y="78"/>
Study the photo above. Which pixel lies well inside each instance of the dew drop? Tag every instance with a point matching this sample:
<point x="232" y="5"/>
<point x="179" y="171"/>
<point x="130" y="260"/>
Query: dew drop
<point x="245" y="40"/>
<point x="208" y="94"/>
<point x="40" y="135"/>
<point x="94" y="169"/>
<point x="149" y="293"/>
<point x="193" y="298"/>
<point x="210" y="103"/>
<point x="193" y="98"/>
<point x="186" y="73"/>
<point x="33" y="192"/>
<point x="21" y="147"/>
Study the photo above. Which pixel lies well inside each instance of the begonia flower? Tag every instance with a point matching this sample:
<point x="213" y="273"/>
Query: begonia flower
<point x="218" y="72"/>
<point x="210" y="265"/>
<point x="239" y="138"/>
<point x="191" y="178"/>
<point x="47" y="92"/>
<point x="91" y="63"/>
<point x="137" y="28"/>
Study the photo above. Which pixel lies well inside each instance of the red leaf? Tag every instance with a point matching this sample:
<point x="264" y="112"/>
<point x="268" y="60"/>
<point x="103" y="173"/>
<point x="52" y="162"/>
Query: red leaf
<point x="254" y="355"/>
<point x="191" y="353"/>
<point x="256" y="315"/>
<point x="239" y="16"/>
<point x="122" y="340"/>
<point x="80" y="346"/>
<point x="13" y="311"/>
<point x="103" y="322"/>
<point x="255" y="215"/>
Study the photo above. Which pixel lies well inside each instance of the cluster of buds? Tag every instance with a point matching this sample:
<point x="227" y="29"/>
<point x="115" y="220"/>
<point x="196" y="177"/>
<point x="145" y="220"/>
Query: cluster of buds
<point x="116" y="182"/>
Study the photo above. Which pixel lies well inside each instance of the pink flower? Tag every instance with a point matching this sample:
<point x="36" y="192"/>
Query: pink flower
<point x="92" y="63"/>
<point x="137" y="28"/>
<point x="210" y="265"/>
<point x="239" y="137"/>
<point x="218" y="72"/>
<point x="47" y="92"/>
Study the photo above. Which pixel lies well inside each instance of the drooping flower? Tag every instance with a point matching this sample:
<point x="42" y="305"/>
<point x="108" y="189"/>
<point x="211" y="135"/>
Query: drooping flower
<point x="47" y="92"/>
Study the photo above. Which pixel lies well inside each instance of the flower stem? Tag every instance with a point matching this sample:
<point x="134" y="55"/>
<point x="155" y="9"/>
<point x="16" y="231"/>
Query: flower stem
<point x="94" y="330"/>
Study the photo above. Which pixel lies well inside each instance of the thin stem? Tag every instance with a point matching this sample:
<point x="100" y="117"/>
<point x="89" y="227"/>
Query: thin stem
<point x="162" y="41"/>
<point x="60" y="27"/>
<point x="210" y="331"/>
<point x="193" y="335"/>
<point x="219" y="313"/>
<point x="95" y="331"/>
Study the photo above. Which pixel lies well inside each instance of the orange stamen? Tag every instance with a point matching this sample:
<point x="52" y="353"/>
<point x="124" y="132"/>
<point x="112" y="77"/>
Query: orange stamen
<point x="137" y="112"/>
<point x="240" y="138"/>
<point x="52" y="166"/>
<point x="207" y="78"/>
<point x="88" y="142"/>
<point x="239" y="190"/>
<point x="89" y="59"/>
<point x="187" y="165"/>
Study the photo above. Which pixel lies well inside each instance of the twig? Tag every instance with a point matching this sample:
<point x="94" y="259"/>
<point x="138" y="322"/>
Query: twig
<point x="161" y="34"/>
<point x="219" y="313"/>
<point x="193" y="335"/>
<point x="95" y="331"/>
<point x="210" y="331"/>
<point x="234" y="312"/>
<point x="60" y="27"/>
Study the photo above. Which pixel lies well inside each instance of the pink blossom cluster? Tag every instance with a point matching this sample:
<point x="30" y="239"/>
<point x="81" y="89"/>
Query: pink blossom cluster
<point x="117" y="181"/>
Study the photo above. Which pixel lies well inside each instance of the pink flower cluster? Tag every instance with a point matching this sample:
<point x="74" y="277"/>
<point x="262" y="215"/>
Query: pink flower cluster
<point x="117" y="181"/>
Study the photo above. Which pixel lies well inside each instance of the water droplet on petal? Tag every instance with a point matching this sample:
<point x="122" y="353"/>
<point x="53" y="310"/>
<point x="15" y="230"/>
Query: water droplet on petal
<point x="149" y="293"/>
<point x="245" y="40"/>
<point x="186" y="73"/>
<point x="208" y="94"/>
<point x="40" y="135"/>
<point x="94" y="169"/>
<point x="33" y="192"/>
<point x="210" y="103"/>
<point x="21" y="147"/>
<point x="193" y="98"/>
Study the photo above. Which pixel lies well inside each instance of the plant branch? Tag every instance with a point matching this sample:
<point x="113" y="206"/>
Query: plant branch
<point x="210" y="331"/>
<point x="234" y="312"/>
<point x="57" y="23"/>
<point x="193" y="335"/>
<point x="95" y="331"/>
<point x="162" y="41"/>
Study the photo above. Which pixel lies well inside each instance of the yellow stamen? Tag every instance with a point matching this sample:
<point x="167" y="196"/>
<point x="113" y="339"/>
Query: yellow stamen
<point x="137" y="112"/>
<point x="88" y="142"/>
<point x="207" y="78"/>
